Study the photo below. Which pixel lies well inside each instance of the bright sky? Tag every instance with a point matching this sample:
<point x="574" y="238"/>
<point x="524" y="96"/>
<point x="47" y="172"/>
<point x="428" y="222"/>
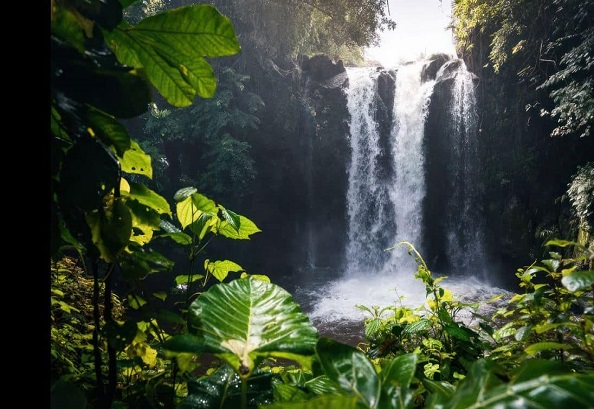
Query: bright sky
<point x="420" y="28"/>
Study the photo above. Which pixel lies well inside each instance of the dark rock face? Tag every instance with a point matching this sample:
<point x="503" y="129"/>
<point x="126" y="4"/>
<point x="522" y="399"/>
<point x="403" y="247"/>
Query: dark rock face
<point x="301" y="152"/>
<point x="384" y="116"/>
<point x="325" y="157"/>
<point x="438" y="177"/>
<point x="429" y="71"/>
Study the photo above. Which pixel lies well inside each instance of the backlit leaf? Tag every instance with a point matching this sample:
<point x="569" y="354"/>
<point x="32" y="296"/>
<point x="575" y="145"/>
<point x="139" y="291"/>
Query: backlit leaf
<point x="578" y="280"/>
<point x="220" y="269"/>
<point x="137" y="162"/>
<point x="248" y="320"/>
<point x="149" y="198"/>
<point x="246" y="229"/>
<point x="171" y="47"/>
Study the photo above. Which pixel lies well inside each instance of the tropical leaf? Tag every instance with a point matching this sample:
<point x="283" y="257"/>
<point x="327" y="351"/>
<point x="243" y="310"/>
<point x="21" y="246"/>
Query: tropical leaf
<point x="417" y="326"/>
<point x="135" y="161"/>
<point x="578" y="280"/>
<point x="111" y="229"/>
<point x="396" y="379"/>
<point x="322" y="385"/>
<point x="188" y="279"/>
<point x="248" y="320"/>
<point x="320" y="402"/>
<point x="231" y="217"/>
<point x="351" y="369"/>
<point x="536" y="384"/>
<point x="220" y="269"/>
<point x="183" y="193"/>
<point x="561" y="243"/>
<point x="546" y="346"/>
<point x="109" y="130"/>
<point x="222" y="390"/>
<point x="246" y="229"/>
<point x="179" y="238"/>
<point x="149" y="198"/>
<point x="144" y="222"/>
<point x="172" y="54"/>
<point x="192" y="207"/>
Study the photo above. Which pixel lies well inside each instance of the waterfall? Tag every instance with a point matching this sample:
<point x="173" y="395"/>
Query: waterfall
<point x="384" y="199"/>
<point x="390" y="186"/>
<point x="371" y="218"/>
<point x="464" y="226"/>
<point x="410" y="107"/>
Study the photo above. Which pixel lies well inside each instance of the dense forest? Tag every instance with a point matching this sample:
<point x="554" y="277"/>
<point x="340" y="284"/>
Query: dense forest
<point x="177" y="137"/>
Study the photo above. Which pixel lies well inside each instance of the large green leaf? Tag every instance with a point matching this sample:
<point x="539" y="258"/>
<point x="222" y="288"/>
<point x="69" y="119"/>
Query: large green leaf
<point x="192" y="207"/>
<point x="149" y="198"/>
<point x="144" y="222"/>
<point x="222" y="390"/>
<point x="246" y="229"/>
<point x="578" y="280"/>
<point x="396" y="379"/>
<point x="536" y="384"/>
<point x="248" y="320"/>
<point x="546" y="346"/>
<point x="136" y="161"/>
<point x="220" y="269"/>
<point x="322" y="385"/>
<point x="171" y="47"/>
<point x="109" y="130"/>
<point x="320" y="402"/>
<point x="351" y="369"/>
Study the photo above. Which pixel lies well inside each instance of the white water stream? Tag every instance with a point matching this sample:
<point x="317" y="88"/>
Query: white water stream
<point x="385" y="201"/>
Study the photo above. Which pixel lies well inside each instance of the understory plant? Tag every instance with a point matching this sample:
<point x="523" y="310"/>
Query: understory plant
<point x="554" y="317"/>
<point x="445" y="345"/>
<point x="544" y="335"/>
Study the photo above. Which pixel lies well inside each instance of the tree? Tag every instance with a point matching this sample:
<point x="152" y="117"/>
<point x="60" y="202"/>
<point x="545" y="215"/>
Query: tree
<point x="103" y="70"/>
<point x="548" y="43"/>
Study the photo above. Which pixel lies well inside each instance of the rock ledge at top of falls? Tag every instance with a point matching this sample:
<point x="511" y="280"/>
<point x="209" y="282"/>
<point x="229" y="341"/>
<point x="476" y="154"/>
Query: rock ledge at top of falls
<point x="326" y="72"/>
<point x="432" y="67"/>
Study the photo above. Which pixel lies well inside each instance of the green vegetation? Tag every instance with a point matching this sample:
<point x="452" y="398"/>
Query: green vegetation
<point x="243" y="341"/>
<point x="548" y="44"/>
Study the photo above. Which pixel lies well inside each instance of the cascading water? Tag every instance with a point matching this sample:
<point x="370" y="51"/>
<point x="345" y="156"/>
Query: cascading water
<point x="465" y="234"/>
<point x="384" y="201"/>
<point x="371" y="216"/>
<point x="411" y="102"/>
<point x="387" y="193"/>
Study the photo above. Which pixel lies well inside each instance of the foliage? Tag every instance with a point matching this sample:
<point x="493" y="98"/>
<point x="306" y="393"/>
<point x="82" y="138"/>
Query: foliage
<point x="250" y="324"/>
<point x="445" y="345"/>
<point x="535" y="383"/>
<point x="102" y="69"/>
<point x="206" y="143"/>
<point x="201" y="219"/>
<point x="580" y="193"/>
<point x="554" y="318"/>
<point x="84" y="128"/>
<point x="315" y="26"/>
<point x="71" y="320"/>
<point x="548" y="44"/>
